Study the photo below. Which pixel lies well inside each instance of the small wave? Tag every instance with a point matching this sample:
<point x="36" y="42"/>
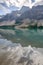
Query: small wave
<point x="15" y="54"/>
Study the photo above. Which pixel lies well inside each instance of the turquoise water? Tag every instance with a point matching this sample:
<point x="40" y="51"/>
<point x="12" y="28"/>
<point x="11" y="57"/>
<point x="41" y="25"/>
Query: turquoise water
<point x="25" y="37"/>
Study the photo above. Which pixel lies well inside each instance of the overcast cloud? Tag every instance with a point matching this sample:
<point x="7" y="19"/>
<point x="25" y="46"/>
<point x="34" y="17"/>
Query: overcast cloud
<point x="19" y="3"/>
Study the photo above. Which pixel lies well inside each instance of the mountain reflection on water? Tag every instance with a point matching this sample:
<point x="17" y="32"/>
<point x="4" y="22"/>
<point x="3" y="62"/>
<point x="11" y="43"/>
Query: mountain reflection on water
<point x="15" y="54"/>
<point x="23" y="36"/>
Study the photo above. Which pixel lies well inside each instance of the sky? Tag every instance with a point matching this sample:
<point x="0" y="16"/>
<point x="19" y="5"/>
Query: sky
<point x="6" y="6"/>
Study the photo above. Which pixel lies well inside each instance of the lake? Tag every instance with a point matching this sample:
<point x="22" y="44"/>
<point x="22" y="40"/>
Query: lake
<point x="21" y="46"/>
<point x="25" y="37"/>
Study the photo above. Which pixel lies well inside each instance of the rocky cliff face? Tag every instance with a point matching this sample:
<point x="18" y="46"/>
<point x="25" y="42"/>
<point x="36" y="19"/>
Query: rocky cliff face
<point x="25" y="16"/>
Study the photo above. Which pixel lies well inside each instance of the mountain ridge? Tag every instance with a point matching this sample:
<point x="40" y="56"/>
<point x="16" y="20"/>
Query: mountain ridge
<point x="36" y="13"/>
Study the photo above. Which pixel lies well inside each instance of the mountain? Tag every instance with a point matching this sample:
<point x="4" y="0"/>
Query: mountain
<point x="34" y="16"/>
<point x="14" y="14"/>
<point x="35" y="13"/>
<point x="24" y="9"/>
<point x="19" y="16"/>
<point x="9" y="17"/>
<point x="12" y="17"/>
<point x="7" y="6"/>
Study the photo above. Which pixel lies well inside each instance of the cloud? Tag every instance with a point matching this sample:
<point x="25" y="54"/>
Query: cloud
<point x="4" y="9"/>
<point x="19" y="4"/>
